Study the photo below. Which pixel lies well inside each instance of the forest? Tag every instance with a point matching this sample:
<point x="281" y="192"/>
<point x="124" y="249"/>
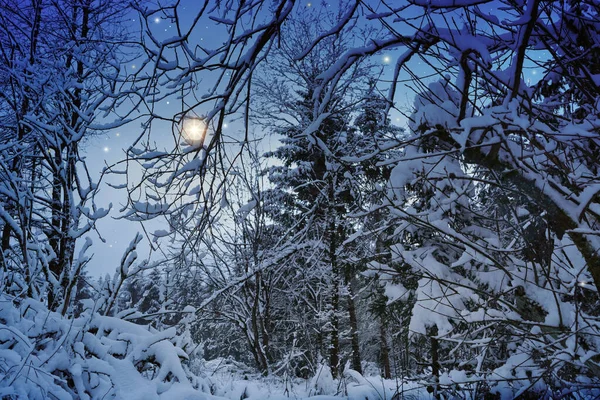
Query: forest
<point x="336" y="199"/>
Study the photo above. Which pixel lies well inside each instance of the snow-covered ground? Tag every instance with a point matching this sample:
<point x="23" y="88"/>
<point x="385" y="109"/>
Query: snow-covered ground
<point x="229" y="381"/>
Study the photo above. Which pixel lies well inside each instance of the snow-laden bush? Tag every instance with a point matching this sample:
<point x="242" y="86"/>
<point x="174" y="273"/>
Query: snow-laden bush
<point x="45" y="355"/>
<point x="323" y="383"/>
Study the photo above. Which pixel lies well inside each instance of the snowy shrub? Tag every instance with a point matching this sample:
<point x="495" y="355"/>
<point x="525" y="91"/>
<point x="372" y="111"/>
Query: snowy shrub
<point x="45" y="355"/>
<point x="323" y="382"/>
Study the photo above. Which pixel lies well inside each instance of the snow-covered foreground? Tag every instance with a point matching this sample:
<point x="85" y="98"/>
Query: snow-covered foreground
<point x="45" y="355"/>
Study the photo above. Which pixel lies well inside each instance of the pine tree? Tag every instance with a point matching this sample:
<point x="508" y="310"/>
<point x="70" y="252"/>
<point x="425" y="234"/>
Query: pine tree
<point x="316" y="192"/>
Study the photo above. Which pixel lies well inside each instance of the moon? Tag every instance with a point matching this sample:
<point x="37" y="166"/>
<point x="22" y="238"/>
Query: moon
<point x="194" y="131"/>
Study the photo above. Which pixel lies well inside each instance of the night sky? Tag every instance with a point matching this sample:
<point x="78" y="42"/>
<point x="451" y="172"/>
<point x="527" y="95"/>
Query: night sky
<point x="109" y="148"/>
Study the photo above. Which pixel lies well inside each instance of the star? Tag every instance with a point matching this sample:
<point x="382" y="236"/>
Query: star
<point x="309" y="5"/>
<point x="157" y="20"/>
<point x="106" y="149"/>
<point x="225" y="126"/>
<point x="118" y="134"/>
<point x="387" y="59"/>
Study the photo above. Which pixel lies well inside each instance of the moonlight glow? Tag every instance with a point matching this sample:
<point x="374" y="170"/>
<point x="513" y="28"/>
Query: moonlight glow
<point x="194" y="131"/>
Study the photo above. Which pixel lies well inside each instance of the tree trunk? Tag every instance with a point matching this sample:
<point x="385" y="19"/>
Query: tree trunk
<point x="54" y="235"/>
<point x="5" y="237"/>
<point x="384" y="355"/>
<point x="259" y="351"/>
<point x="435" y="364"/>
<point x="356" y="364"/>
<point x="334" y="347"/>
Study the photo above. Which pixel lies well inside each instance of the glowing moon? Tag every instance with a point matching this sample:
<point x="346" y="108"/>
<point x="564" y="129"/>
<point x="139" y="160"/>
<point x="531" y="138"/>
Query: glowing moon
<point x="193" y="131"/>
